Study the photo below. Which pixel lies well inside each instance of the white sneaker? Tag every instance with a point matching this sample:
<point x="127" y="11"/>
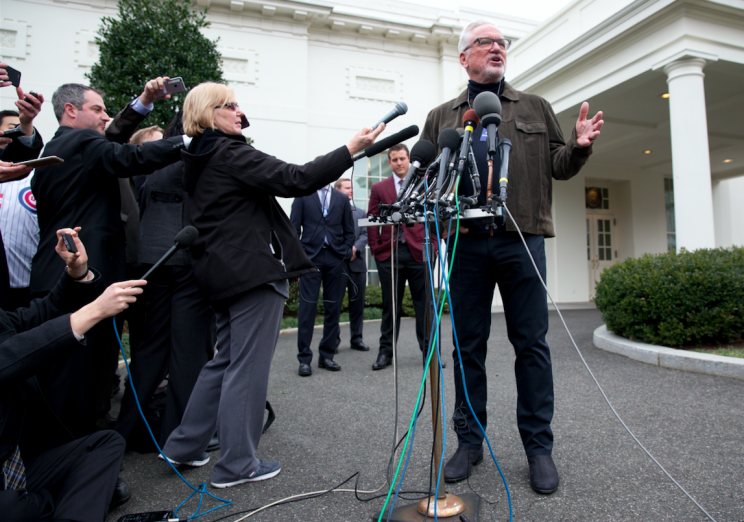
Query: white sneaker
<point x="266" y="470"/>
<point x="191" y="463"/>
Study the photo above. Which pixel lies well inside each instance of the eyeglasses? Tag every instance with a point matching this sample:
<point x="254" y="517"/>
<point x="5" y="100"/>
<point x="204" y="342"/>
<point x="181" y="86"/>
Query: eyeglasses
<point x="487" y="43"/>
<point x="233" y="106"/>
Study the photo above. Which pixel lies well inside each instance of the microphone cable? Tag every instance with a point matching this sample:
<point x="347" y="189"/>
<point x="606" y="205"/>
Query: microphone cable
<point x="202" y="489"/>
<point x="607" y="400"/>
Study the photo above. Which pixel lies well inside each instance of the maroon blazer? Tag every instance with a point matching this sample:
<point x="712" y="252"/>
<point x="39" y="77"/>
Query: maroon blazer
<point x="380" y="237"/>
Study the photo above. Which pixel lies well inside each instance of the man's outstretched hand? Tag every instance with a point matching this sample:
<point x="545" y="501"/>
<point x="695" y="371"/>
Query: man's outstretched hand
<point x="588" y="130"/>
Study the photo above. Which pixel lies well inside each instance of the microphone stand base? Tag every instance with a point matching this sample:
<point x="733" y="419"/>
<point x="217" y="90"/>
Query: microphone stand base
<point x="467" y="504"/>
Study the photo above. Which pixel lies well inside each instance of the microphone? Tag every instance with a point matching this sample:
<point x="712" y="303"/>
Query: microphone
<point x="421" y="154"/>
<point x="488" y="108"/>
<point x="448" y="141"/>
<point x="398" y="137"/>
<point x="399" y="110"/>
<point x="505" y="145"/>
<point x="184" y="239"/>
<point x="470" y="122"/>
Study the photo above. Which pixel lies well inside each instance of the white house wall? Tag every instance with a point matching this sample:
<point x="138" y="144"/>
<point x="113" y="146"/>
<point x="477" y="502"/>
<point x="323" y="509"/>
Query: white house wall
<point x="729" y="212"/>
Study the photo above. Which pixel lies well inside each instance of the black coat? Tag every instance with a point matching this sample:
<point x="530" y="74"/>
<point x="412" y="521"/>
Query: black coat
<point x="84" y="191"/>
<point x="313" y="228"/>
<point x="245" y="238"/>
<point x="30" y="338"/>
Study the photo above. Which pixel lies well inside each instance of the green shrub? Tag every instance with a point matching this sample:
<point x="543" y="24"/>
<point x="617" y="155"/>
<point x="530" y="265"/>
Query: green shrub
<point x="690" y="298"/>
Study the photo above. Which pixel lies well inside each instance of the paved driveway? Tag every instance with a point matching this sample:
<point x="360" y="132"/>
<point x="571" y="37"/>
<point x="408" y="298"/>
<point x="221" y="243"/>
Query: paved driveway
<point x="331" y="425"/>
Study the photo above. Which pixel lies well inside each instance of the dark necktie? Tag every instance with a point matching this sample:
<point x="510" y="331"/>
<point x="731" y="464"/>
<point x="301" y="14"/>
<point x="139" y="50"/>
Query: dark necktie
<point x="15" y="472"/>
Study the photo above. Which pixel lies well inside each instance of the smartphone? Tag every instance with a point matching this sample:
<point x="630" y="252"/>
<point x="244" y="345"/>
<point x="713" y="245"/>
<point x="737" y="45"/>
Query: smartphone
<point x="174" y="86"/>
<point x="244" y="123"/>
<point x="32" y="93"/>
<point x="41" y="162"/>
<point x="152" y="516"/>
<point x="69" y="243"/>
<point x="15" y="132"/>
<point x="14" y="76"/>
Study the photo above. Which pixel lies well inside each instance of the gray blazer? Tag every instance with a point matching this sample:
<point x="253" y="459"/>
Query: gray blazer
<point x="360" y="241"/>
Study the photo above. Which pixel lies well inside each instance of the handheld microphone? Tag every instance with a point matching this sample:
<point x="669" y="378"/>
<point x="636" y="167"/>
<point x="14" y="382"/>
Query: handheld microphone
<point x="399" y="110"/>
<point x="398" y="137"/>
<point x="184" y="239"/>
<point x="488" y="108"/>
<point x="448" y="141"/>
<point x="421" y="154"/>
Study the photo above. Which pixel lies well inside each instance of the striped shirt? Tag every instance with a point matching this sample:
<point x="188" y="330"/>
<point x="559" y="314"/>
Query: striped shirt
<point x="20" y="229"/>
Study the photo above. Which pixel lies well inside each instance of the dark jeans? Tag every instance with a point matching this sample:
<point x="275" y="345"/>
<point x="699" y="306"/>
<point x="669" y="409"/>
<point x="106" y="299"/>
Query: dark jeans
<point x="406" y="269"/>
<point x="356" y="283"/>
<point x="178" y="341"/>
<point x="74" y="481"/>
<point x="329" y="266"/>
<point x="480" y="263"/>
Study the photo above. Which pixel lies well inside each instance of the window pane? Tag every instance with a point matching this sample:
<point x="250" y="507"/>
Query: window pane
<point x="599" y="225"/>
<point x="608" y="254"/>
<point x="601" y="254"/>
<point x="600" y="238"/>
<point x="588" y="254"/>
<point x="605" y="193"/>
<point x="605" y="204"/>
<point x="607" y="225"/>
<point x="608" y="241"/>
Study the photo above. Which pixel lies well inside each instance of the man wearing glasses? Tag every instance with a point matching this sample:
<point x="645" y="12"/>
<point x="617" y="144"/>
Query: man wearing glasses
<point x="489" y="256"/>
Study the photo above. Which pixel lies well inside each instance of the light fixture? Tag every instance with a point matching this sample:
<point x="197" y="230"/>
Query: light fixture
<point x="728" y="160"/>
<point x="647" y="151"/>
<point x="665" y="95"/>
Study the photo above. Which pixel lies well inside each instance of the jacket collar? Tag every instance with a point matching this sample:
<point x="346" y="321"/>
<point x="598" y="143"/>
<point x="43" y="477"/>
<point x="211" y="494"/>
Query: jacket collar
<point x="510" y="93"/>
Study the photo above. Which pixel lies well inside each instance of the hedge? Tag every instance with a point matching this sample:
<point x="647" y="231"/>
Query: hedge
<point x="690" y="298"/>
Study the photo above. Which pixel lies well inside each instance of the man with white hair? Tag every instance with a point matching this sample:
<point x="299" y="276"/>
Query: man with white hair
<point x="489" y="256"/>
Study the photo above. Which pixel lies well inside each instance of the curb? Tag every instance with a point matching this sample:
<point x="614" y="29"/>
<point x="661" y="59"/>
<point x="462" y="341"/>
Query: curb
<point x="669" y="357"/>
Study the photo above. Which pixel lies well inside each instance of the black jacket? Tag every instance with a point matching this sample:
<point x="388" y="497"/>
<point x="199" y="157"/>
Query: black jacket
<point x="29" y="339"/>
<point x="84" y="191"/>
<point x="245" y="238"/>
<point x="313" y="228"/>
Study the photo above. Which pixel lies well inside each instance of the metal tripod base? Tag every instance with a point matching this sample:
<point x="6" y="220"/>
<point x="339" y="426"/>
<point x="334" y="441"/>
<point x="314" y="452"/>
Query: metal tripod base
<point x="410" y="513"/>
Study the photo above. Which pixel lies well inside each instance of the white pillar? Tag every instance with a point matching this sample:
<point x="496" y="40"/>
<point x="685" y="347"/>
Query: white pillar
<point x="693" y="197"/>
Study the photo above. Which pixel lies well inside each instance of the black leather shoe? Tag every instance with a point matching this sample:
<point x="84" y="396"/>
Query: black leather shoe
<point x="382" y="362"/>
<point x="461" y="464"/>
<point x="214" y="444"/>
<point x="122" y="494"/>
<point x="543" y="475"/>
<point x="360" y="346"/>
<point x="305" y="370"/>
<point x="329" y="364"/>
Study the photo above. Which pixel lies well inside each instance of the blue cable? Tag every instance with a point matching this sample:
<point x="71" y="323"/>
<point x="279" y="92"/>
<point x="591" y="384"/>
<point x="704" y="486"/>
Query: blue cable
<point x="462" y="373"/>
<point x="201" y="489"/>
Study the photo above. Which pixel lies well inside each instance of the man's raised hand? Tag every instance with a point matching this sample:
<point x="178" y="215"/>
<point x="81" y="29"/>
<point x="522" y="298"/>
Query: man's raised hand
<point x="77" y="263"/>
<point x="154" y="91"/>
<point x="588" y="130"/>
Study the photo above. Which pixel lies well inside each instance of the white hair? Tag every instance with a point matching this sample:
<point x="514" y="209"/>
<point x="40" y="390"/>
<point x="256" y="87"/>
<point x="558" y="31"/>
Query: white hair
<point x="465" y="34"/>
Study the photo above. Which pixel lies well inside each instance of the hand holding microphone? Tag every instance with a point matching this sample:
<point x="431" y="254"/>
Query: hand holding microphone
<point x="364" y="138"/>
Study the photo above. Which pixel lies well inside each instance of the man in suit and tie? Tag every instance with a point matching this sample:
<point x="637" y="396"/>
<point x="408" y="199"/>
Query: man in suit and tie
<point x="84" y="191"/>
<point x="409" y="259"/>
<point x="326" y="229"/>
<point x="355" y="270"/>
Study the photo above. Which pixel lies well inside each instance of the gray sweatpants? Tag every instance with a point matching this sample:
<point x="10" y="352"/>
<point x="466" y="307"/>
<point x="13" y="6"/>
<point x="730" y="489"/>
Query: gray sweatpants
<point x="230" y="394"/>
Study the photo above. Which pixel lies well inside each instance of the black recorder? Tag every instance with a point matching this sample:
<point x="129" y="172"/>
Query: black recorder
<point x="153" y="516"/>
<point x="69" y="243"/>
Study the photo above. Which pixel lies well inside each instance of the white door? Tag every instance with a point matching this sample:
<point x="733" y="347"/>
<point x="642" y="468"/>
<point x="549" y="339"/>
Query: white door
<point x="600" y="247"/>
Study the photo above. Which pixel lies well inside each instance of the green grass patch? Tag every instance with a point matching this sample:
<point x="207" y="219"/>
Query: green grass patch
<point x="729" y="351"/>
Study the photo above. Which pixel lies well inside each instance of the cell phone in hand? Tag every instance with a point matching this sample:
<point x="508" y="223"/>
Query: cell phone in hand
<point x="14" y="133"/>
<point x="173" y="86"/>
<point x="32" y="93"/>
<point x="46" y="161"/>
<point x="14" y="75"/>
<point x="69" y="243"/>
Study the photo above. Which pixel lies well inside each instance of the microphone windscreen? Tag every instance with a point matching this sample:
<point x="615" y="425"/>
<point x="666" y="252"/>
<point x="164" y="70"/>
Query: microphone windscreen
<point x="423" y="151"/>
<point x="186" y="237"/>
<point x="486" y="103"/>
<point x="449" y="138"/>
<point x="402" y="108"/>
<point x="398" y="137"/>
<point x="470" y="116"/>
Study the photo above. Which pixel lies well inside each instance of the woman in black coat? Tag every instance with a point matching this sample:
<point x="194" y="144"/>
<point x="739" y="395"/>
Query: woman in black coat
<point x="246" y="252"/>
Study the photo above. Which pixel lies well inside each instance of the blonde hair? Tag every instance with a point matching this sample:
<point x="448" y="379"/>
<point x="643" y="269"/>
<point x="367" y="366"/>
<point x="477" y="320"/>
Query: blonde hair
<point x="199" y="105"/>
<point x="140" y="137"/>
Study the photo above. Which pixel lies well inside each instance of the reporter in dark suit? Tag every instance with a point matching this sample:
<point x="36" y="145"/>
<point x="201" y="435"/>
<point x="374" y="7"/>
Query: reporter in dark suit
<point x="325" y="226"/>
<point x="76" y="479"/>
<point x="355" y="270"/>
<point x="84" y="190"/>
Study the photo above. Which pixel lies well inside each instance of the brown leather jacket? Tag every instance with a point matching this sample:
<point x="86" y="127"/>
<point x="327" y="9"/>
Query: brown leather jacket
<point x="539" y="153"/>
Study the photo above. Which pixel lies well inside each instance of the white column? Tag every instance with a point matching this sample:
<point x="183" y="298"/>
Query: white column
<point x="693" y="198"/>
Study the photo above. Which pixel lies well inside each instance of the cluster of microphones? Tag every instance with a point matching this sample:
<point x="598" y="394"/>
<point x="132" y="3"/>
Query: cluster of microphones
<point x="433" y="194"/>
